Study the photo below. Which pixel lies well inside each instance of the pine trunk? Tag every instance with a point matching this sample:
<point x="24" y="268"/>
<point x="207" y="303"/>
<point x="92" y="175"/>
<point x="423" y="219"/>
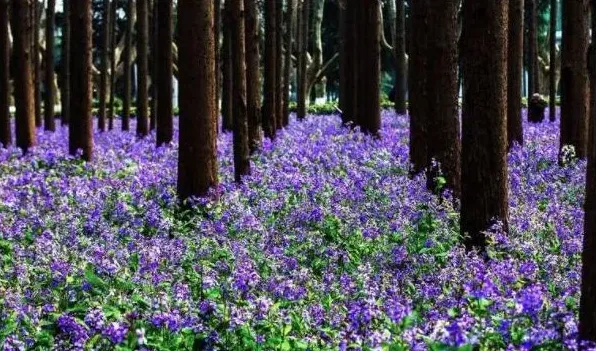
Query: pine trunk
<point x="65" y="94"/>
<point x="113" y="27"/>
<point x="270" y="73"/>
<point x="484" y="140"/>
<point x="126" y="62"/>
<point x="349" y="61"/>
<point x="154" y="63"/>
<point x="217" y="26"/>
<point x="533" y="84"/>
<point x="227" y="124"/>
<point x="36" y="62"/>
<point x="253" y="75"/>
<point x="400" y="58"/>
<point x="49" y="123"/>
<point x="515" y="48"/>
<point x="197" y="162"/>
<point x="5" y="135"/>
<point x="303" y="49"/>
<point x="143" y="69"/>
<point x="552" y="74"/>
<point x="103" y="79"/>
<point x="288" y="61"/>
<point x="165" y="128"/>
<point x="279" y="59"/>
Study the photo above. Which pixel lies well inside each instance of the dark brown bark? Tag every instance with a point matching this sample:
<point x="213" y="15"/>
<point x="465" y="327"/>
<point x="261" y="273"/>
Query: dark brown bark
<point x="103" y="80"/>
<point x="127" y="79"/>
<point x="399" y="46"/>
<point x="22" y="31"/>
<point x="515" y="48"/>
<point x="484" y="140"/>
<point x="279" y="58"/>
<point x="5" y="135"/>
<point x="253" y="75"/>
<point x="587" y="309"/>
<point x="349" y="61"/>
<point x="218" y="23"/>
<point x="143" y="69"/>
<point x="154" y="63"/>
<point x="165" y="127"/>
<point x="81" y="128"/>
<point x="289" y="36"/>
<point x="197" y="163"/>
<point x="302" y="51"/>
<point x="533" y="83"/>
<point x="49" y="122"/>
<point x="112" y="83"/>
<point x="552" y="74"/>
<point x="65" y="93"/>
<point x="270" y="72"/>
<point x="36" y="63"/>
<point x="574" y="76"/>
<point x="241" y="149"/>
<point x="227" y="123"/>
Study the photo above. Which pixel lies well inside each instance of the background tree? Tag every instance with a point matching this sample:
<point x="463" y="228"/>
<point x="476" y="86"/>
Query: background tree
<point x="143" y="68"/>
<point x="348" y="63"/>
<point x="153" y="62"/>
<point x="574" y="76"/>
<point x="226" y="68"/>
<point x="270" y="72"/>
<point x="253" y="75"/>
<point x="197" y="163"/>
<point x="22" y="31"/>
<point x="399" y="46"/>
<point x="113" y="27"/>
<point x="103" y="85"/>
<point x="484" y="140"/>
<point x="289" y="36"/>
<point x="533" y="75"/>
<point x="35" y="51"/>
<point x="302" y="81"/>
<point x="5" y="135"/>
<point x="65" y="93"/>
<point x="552" y="76"/>
<point x="127" y="65"/>
<point x="279" y="58"/>
<point x="80" y="134"/>
<point x="515" y="49"/>
<point x="165" y="126"/>
<point x="49" y="123"/>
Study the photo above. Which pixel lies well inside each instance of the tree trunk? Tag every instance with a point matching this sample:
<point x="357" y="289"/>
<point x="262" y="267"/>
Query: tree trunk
<point x="320" y="85"/>
<point x="127" y="79"/>
<point x="197" y="162"/>
<point x="22" y="31"/>
<point x="279" y="58"/>
<point x="253" y="76"/>
<point x="399" y="46"/>
<point x="303" y="49"/>
<point x="533" y="84"/>
<point x="154" y="22"/>
<point x="552" y="76"/>
<point x="65" y="94"/>
<point x="217" y="26"/>
<point x="113" y="26"/>
<point x="81" y="128"/>
<point x="349" y="61"/>
<point x="288" y="61"/>
<point x="143" y="69"/>
<point x="5" y="135"/>
<point x="49" y="123"/>
<point x="227" y="102"/>
<point x="574" y="76"/>
<point x="165" y="128"/>
<point x="270" y="72"/>
<point x="484" y="140"/>
<point x="36" y="63"/>
<point x="103" y="84"/>
<point x="515" y="48"/>
<point x="369" y="67"/>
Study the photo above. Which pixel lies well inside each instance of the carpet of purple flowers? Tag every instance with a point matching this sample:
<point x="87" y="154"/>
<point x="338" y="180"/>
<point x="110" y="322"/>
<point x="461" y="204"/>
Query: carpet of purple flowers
<point x="328" y="245"/>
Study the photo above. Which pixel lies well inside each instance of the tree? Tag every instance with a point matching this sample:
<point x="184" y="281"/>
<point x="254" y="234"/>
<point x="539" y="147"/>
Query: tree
<point x="399" y="47"/>
<point x="49" y="123"/>
<point x="533" y="79"/>
<point x="348" y="62"/>
<point x="22" y="31"/>
<point x="165" y="126"/>
<point x="5" y="136"/>
<point x="143" y="67"/>
<point x="484" y="140"/>
<point x="302" y="80"/>
<point x="65" y="93"/>
<point x="127" y="58"/>
<point x="153" y="62"/>
<point x="552" y="77"/>
<point x="197" y="163"/>
<point x="270" y="72"/>
<point x="36" y="62"/>
<point x="288" y="61"/>
<point x="113" y="27"/>
<point x="515" y="52"/>
<point x="103" y="85"/>
<point x="226" y="67"/>
<point x="279" y="58"/>
<point x="241" y="150"/>
<point x="253" y="76"/>
<point x="574" y="76"/>
<point x="80" y="134"/>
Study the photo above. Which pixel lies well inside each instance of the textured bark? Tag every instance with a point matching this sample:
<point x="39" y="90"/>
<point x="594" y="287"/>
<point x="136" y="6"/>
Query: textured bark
<point x="113" y="27"/>
<point x="165" y="127"/>
<point x="226" y="66"/>
<point x="289" y="36"/>
<point x="154" y="63"/>
<point x="23" y="75"/>
<point x="533" y="83"/>
<point x="65" y="94"/>
<point x="241" y="149"/>
<point x="81" y="128"/>
<point x="270" y="72"/>
<point x="103" y="83"/>
<point x="368" y="68"/>
<point x="316" y="62"/>
<point x="574" y="76"/>
<point x="127" y="66"/>
<point x="399" y="47"/>
<point x="484" y="116"/>
<point x="348" y="72"/>
<point x="302" y="95"/>
<point x="5" y="135"/>
<point x="279" y="58"/>
<point x="143" y="69"/>
<point x="197" y="163"/>
<point x="552" y="76"/>
<point x="253" y="75"/>
<point x="49" y="123"/>
<point x="217" y="26"/>
<point x="36" y="62"/>
<point x="515" y="48"/>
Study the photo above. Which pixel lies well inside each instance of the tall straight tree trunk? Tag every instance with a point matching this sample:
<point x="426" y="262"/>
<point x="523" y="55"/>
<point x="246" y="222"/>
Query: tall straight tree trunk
<point x="317" y="8"/>
<point x="165" y="128"/>
<point x="270" y="72"/>
<point x="399" y="46"/>
<point x="302" y="51"/>
<point x="103" y="80"/>
<point x="22" y="31"/>
<point x="288" y="61"/>
<point x="126" y="62"/>
<point x="349" y="61"/>
<point x="143" y="68"/>
<point x="515" y="48"/>
<point x="36" y="62"/>
<point x="227" y="124"/>
<point x="217" y="26"/>
<point x="369" y="67"/>
<point x="552" y="74"/>
<point x="81" y="128"/>
<point x="113" y="26"/>
<point x="533" y="84"/>
<point x="253" y="75"/>
<point x="197" y="163"/>
<point x="49" y="123"/>
<point x="154" y="22"/>
<point x="5" y="135"/>
<point x="484" y="140"/>
<point x="279" y="59"/>
<point x="65" y="94"/>
<point x="574" y="76"/>
<point x="241" y="149"/>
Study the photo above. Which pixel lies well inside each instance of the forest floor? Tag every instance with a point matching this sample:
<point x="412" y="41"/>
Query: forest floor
<point x="328" y="245"/>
